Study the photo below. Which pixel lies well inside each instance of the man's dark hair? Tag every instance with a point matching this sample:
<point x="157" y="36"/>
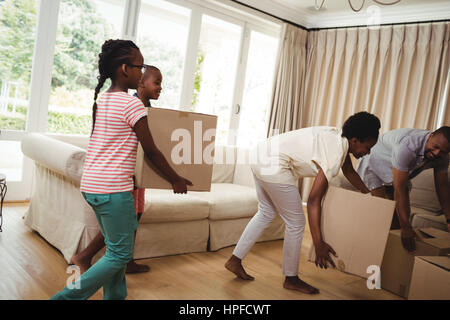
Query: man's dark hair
<point x="445" y="130"/>
<point x="363" y="126"/>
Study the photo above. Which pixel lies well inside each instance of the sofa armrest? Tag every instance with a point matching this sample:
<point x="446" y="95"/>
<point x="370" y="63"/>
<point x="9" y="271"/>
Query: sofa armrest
<point x="58" y="156"/>
<point x="78" y="140"/>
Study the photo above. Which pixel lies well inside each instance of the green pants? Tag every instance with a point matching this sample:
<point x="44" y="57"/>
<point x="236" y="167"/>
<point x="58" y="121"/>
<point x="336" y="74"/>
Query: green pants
<point x="116" y="217"/>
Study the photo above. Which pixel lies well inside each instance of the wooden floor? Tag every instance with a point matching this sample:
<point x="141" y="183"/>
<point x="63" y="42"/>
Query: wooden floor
<point x="30" y="268"/>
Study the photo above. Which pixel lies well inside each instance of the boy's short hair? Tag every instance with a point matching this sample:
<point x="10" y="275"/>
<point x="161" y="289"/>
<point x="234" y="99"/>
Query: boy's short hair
<point x="149" y="70"/>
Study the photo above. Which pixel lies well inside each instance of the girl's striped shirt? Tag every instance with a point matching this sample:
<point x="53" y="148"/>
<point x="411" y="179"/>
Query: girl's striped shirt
<point x="111" y="156"/>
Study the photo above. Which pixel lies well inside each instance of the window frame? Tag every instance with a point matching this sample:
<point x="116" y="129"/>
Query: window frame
<point x="248" y="23"/>
<point x="43" y="59"/>
<point x="46" y="38"/>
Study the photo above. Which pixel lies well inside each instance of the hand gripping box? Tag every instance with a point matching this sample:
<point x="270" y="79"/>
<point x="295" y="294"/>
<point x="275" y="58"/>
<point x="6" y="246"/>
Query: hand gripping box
<point x="430" y="278"/>
<point x="398" y="264"/>
<point x="356" y="226"/>
<point x="186" y="139"/>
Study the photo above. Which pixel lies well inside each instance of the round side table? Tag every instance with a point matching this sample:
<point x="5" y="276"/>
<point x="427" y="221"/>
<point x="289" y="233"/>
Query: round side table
<point x="3" y="189"/>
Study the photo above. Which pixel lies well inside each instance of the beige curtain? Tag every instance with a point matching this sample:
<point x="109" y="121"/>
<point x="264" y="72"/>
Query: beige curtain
<point x="446" y="101"/>
<point x="446" y="118"/>
<point x="396" y="72"/>
<point x="289" y="85"/>
<point x="443" y="96"/>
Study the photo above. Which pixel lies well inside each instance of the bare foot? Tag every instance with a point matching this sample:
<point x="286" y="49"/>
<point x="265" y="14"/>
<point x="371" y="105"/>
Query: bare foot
<point x="133" y="267"/>
<point x="294" y="283"/>
<point x="234" y="265"/>
<point x="81" y="262"/>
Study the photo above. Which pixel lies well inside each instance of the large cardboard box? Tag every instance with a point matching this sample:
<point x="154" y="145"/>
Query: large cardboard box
<point x="187" y="140"/>
<point x="356" y="226"/>
<point x="430" y="279"/>
<point x="397" y="266"/>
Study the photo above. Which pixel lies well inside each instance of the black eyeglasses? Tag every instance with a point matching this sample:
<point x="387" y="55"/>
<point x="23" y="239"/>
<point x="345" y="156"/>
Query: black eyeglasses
<point x="142" y="66"/>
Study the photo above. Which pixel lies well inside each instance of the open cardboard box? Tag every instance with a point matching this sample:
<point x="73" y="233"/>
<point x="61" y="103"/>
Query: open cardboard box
<point x="187" y="140"/>
<point x="356" y="226"/>
<point x="430" y="278"/>
<point x="397" y="266"/>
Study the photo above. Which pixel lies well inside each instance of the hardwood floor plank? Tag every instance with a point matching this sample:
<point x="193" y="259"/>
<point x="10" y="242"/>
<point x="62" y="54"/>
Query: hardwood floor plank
<point x="16" y="283"/>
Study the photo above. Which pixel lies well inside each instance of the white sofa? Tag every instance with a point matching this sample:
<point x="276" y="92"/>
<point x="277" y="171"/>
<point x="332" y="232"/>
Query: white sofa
<point x="426" y="210"/>
<point x="171" y="223"/>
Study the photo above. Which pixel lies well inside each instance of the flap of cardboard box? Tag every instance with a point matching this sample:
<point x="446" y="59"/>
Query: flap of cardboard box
<point x="434" y="233"/>
<point x="357" y="232"/>
<point x="437" y="238"/>
<point x="439" y="261"/>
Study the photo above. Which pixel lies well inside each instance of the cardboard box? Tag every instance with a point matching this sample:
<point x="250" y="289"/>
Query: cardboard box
<point x="187" y="140"/>
<point x="430" y="279"/>
<point x="356" y="226"/>
<point x="397" y="266"/>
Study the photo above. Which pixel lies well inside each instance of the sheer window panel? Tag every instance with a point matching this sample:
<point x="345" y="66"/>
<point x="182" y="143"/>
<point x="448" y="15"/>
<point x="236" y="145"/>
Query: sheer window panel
<point x="162" y="35"/>
<point x="258" y="89"/>
<point x="215" y="75"/>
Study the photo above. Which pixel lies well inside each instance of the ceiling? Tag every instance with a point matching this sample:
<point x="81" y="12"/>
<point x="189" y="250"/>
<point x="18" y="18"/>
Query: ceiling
<point x="337" y="13"/>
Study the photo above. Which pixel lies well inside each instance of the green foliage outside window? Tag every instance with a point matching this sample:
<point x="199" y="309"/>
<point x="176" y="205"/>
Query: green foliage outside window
<point x="81" y="32"/>
<point x="80" y="35"/>
<point x="17" y="36"/>
<point x="197" y="79"/>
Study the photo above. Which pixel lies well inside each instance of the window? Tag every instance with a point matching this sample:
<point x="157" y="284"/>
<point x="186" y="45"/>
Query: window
<point x="49" y="67"/>
<point x="162" y="38"/>
<point x="83" y="26"/>
<point x="215" y="75"/>
<point x="18" y="19"/>
<point x="258" y="89"/>
<point x="11" y="160"/>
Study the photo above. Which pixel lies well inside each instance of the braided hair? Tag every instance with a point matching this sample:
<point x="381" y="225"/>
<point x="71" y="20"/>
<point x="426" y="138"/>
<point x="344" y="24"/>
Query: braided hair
<point x="114" y="54"/>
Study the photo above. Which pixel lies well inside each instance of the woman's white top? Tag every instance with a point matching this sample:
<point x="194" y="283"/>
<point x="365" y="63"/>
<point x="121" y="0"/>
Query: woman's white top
<point x="287" y="157"/>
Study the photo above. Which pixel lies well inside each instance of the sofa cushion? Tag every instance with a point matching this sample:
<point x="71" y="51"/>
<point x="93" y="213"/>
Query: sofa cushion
<point x="167" y="238"/>
<point x="224" y="233"/>
<point x="229" y="201"/>
<point x="243" y="174"/>
<point x="224" y="163"/>
<point x="423" y="194"/>
<point x="165" y="206"/>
